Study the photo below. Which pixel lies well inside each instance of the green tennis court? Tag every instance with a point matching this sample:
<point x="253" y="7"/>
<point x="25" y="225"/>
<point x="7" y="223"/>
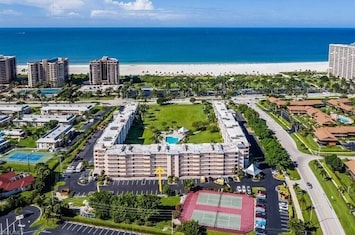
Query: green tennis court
<point x="227" y="201"/>
<point x="217" y="219"/>
<point x="231" y="202"/>
<point x="208" y="199"/>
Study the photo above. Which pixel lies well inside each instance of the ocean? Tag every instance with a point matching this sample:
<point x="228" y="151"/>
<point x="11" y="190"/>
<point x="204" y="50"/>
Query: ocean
<point x="173" y="45"/>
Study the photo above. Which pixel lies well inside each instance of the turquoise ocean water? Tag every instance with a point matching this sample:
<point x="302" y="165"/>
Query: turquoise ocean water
<point x="173" y="45"/>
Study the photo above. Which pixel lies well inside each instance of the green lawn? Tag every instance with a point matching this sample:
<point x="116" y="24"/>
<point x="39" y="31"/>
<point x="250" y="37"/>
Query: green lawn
<point x="77" y="201"/>
<point x="28" y="142"/>
<point x="293" y="174"/>
<point x="336" y="200"/>
<point x="300" y="146"/>
<point x="308" y="214"/>
<point x="172" y="116"/>
<point x="170" y="201"/>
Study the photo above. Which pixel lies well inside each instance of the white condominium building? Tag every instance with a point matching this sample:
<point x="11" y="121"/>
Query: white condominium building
<point x="134" y="160"/>
<point x="66" y="109"/>
<point x="54" y="71"/>
<point x="14" y="109"/>
<point x="54" y="138"/>
<point x="7" y="69"/>
<point x="104" y="71"/>
<point x="342" y="60"/>
<point x="40" y="120"/>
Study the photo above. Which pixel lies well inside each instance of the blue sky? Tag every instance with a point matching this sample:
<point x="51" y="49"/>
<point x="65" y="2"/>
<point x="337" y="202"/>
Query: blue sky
<point x="177" y="13"/>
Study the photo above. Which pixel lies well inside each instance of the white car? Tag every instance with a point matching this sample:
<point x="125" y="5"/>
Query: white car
<point x="283" y="207"/>
<point x="239" y="189"/>
<point x="244" y="189"/>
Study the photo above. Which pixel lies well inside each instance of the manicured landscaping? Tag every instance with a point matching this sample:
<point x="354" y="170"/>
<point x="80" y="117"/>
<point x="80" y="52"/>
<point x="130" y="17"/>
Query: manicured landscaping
<point x="308" y="211"/>
<point x="77" y="201"/>
<point x="336" y="200"/>
<point x="293" y="174"/>
<point x="159" y="118"/>
<point x="170" y="201"/>
<point x="28" y="142"/>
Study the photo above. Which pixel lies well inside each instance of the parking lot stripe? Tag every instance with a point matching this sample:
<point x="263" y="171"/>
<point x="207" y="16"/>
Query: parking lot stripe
<point x="136" y="182"/>
<point x="136" y="192"/>
<point x="65" y="224"/>
<point x="86" y="227"/>
<point x="101" y="231"/>
<point x="156" y="191"/>
<point x="141" y="191"/>
<point x="74" y="227"/>
<point x="107" y="232"/>
<point x="154" y="182"/>
<point x="90" y="229"/>
<point x="112" y="232"/>
<point x="149" y="182"/>
<point x="80" y="228"/>
<point x="70" y="224"/>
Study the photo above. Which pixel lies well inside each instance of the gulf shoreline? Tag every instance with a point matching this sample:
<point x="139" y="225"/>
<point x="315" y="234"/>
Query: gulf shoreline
<point x="202" y="69"/>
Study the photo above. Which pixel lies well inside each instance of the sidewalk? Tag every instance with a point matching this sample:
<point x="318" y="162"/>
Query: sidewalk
<point x="294" y="197"/>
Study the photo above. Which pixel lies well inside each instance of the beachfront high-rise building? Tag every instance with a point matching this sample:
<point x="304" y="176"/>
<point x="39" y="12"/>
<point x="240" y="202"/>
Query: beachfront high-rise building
<point x="54" y="72"/>
<point x="104" y="71"/>
<point x="342" y="60"/>
<point x="7" y="69"/>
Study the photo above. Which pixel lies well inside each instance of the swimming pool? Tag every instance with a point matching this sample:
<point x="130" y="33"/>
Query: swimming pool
<point x="50" y="91"/>
<point x="172" y="140"/>
<point x="344" y="120"/>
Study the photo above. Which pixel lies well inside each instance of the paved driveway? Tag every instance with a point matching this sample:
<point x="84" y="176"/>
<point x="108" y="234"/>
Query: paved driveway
<point x="9" y="224"/>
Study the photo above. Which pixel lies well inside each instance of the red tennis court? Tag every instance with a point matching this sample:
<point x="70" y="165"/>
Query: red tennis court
<point x="221" y="211"/>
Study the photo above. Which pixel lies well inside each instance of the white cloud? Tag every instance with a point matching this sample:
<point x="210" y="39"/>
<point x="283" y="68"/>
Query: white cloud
<point x="52" y="7"/>
<point x="9" y="12"/>
<point x="137" y="5"/>
<point x="103" y="13"/>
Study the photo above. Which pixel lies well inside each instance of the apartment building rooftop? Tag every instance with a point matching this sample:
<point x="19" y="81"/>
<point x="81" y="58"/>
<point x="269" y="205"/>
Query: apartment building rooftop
<point x="72" y="107"/>
<point x="55" y="134"/>
<point x="14" y="107"/>
<point x="45" y="118"/>
<point x="111" y="133"/>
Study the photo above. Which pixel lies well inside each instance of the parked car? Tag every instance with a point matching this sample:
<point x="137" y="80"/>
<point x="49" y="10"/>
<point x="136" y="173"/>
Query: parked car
<point x="283" y="204"/>
<point x="283" y="207"/>
<point x="260" y="215"/>
<point x="239" y="189"/>
<point x="309" y="185"/>
<point x="244" y="189"/>
<point x="249" y="190"/>
<point x="259" y="230"/>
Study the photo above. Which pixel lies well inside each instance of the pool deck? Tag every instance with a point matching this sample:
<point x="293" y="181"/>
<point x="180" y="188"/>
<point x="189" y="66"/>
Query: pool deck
<point x="174" y="134"/>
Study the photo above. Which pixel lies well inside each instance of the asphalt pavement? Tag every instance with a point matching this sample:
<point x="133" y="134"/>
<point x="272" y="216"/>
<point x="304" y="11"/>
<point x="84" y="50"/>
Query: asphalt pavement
<point x="9" y="224"/>
<point x="72" y="228"/>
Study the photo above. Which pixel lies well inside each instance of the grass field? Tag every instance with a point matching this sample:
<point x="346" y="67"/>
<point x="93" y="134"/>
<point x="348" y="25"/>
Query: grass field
<point x="339" y="205"/>
<point x="172" y="116"/>
<point x="307" y="210"/>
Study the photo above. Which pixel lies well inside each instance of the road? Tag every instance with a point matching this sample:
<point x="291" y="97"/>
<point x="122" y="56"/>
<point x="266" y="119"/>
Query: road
<point x="9" y="224"/>
<point x="329" y="221"/>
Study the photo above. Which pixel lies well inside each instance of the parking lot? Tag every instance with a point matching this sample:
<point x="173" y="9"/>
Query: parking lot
<point x="72" y="228"/>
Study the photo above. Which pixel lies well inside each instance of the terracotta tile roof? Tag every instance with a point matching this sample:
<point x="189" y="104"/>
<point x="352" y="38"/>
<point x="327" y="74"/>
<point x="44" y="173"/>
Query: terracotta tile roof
<point x="343" y="104"/>
<point x="319" y="116"/>
<point x="10" y="181"/>
<point x="324" y="135"/>
<point x="331" y="133"/>
<point x="306" y="102"/>
<point x="351" y="165"/>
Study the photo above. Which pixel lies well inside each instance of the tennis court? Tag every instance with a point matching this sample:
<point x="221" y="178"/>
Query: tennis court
<point x="27" y="157"/>
<point x="217" y="219"/>
<point x="221" y="211"/>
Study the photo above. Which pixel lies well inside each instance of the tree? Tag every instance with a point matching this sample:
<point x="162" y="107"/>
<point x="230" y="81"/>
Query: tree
<point x="101" y="202"/>
<point x="191" y="228"/>
<point x="334" y="162"/>
<point x="189" y="184"/>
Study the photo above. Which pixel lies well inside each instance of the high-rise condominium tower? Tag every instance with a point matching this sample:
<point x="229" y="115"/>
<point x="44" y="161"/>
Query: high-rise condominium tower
<point x="7" y="69"/>
<point x="342" y="60"/>
<point x="104" y="71"/>
<point x="54" y="71"/>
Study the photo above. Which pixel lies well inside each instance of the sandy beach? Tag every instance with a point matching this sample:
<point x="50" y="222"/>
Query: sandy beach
<point x="203" y="69"/>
